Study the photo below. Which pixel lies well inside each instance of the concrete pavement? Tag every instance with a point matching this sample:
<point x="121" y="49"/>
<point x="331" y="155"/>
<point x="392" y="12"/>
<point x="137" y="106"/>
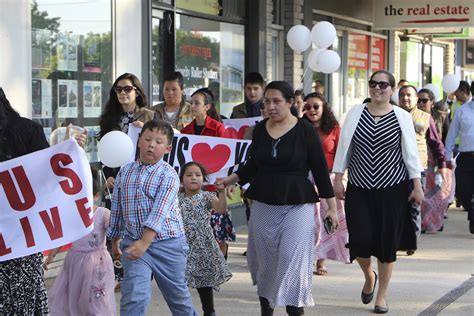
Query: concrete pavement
<point x="438" y="279"/>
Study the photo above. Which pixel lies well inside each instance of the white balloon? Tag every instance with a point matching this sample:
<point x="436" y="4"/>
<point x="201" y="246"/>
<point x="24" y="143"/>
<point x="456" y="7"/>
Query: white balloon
<point x="394" y="96"/>
<point x="313" y="59"/>
<point x="115" y="149"/>
<point x="328" y="61"/>
<point x="434" y="89"/>
<point x="450" y="83"/>
<point x="299" y="38"/>
<point x="323" y="34"/>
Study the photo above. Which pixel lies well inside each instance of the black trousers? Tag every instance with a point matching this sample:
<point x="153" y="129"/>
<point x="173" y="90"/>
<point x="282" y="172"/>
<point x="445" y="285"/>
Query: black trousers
<point x="207" y="300"/>
<point x="268" y="311"/>
<point x="465" y="182"/>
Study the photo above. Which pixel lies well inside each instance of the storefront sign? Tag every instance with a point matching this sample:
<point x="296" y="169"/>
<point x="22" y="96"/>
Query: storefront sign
<point x="47" y="209"/>
<point x="358" y="51"/>
<point x="378" y="54"/>
<point x="406" y="14"/>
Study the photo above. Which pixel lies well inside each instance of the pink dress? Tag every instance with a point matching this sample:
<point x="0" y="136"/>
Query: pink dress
<point x="437" y="199"/>
<point x="85" y="284"/>
<point x="331" y="246"/>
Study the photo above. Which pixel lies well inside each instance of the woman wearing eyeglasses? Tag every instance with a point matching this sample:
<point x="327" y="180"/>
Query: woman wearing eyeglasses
<point x="281" y="226"/>
<point x="438" y="194"/>
<point x="378" y="147"/>
<point x="126" y="105"/>
<point x="327" y="246"/>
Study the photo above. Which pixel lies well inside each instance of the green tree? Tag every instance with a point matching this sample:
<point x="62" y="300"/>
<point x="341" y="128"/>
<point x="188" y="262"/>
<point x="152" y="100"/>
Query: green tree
<point x="40" y="20"/>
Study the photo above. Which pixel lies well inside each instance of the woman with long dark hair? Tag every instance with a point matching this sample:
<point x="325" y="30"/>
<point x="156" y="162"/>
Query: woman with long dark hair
<point x="327" y="246"/>
<point x="126" y="105"/>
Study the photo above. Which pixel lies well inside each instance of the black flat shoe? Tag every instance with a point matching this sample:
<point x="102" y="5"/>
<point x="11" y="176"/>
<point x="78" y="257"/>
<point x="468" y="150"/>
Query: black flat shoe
<point x="367" y="298"/>
<point x="380" y="309"/>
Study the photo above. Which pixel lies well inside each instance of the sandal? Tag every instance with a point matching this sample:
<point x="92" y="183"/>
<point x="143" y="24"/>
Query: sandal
<point x="321" y="270"/>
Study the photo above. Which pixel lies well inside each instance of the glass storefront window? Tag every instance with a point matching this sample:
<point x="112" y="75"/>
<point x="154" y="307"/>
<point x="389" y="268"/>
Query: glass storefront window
<point x="202" y="6"/>
<point x="358" y="67"/>
<point x="377" y="54"/>
<point x="336" y="100"/>
<point x="211" y="54"/>
<point x="157" y="59"/>
<point x="411" y="62"/>
<point x="437" y="70"/>
<point x="71" y="65"/>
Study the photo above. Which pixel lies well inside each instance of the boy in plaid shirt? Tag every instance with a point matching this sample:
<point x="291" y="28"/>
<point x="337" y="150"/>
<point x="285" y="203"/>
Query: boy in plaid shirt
<point x="146" y="215"/>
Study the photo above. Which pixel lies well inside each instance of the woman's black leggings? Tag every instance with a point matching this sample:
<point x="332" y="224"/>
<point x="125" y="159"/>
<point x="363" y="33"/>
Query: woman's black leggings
<point x="268" y="311"/>
<point x="207" y="300"/>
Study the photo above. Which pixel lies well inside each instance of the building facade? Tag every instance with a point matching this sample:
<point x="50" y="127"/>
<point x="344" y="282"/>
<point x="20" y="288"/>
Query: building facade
<point x="61" y="58"/>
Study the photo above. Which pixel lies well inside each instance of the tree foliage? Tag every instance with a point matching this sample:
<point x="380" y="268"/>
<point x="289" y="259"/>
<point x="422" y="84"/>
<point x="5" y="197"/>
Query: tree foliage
<point x="40" y="19"/>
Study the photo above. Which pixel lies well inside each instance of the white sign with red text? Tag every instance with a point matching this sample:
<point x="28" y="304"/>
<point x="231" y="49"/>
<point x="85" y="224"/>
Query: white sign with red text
<point x="45" y="200"/>
<point x="235" y="128"/>
<point x="414" y="14"/>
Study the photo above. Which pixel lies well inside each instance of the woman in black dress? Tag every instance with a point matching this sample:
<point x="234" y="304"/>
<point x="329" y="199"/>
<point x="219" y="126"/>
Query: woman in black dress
<point x="378" y="147"/>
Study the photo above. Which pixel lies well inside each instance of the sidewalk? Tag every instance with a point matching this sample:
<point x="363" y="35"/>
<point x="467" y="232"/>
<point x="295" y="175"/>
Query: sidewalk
<point x="443" y="263"/>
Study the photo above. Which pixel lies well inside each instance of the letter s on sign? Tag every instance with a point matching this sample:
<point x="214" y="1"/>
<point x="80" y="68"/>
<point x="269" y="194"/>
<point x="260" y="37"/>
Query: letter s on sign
<point x="58" y="170"/>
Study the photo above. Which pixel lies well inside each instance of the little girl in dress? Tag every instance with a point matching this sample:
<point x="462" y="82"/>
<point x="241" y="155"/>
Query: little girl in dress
<point x="206" y="268"/>
<point x="85" y="284"/>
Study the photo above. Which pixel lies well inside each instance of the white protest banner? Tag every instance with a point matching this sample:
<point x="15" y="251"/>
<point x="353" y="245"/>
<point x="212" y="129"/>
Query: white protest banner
<point x="413" y="14"/>
<point x="235" y="128"/>
<point x="134" y="133"/>
<point x="218" y="155"/>
<point x="45" y="200"/>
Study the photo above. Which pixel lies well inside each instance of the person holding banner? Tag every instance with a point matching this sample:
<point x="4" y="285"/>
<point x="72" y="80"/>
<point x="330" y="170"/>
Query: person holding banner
<point x="327" y="246"/>
<point x="206" y="121"/>
<point x="281" y="228"/>
<point x="22" y="288"/>
<point x="145" y="214"/>
<point x="174" y="110"/>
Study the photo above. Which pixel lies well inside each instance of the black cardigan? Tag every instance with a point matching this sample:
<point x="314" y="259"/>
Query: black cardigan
<point x="284" y="180"/>
<point x="20" y="137"/>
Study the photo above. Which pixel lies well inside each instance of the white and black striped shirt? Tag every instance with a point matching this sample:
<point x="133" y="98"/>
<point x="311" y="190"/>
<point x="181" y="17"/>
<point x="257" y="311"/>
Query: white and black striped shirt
<point x="377" y="160"/>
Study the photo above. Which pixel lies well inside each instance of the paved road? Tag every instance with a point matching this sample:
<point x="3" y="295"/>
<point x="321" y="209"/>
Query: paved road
<point x="438" y="279"/>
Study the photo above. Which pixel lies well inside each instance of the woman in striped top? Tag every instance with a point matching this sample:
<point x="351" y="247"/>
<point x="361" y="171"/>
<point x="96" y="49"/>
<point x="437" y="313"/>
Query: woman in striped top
<point x="378" y="147"/>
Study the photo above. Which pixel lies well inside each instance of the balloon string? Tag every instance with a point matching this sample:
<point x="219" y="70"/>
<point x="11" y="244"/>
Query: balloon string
<point x="304" y="73"/>
<point x="103" y="176"/>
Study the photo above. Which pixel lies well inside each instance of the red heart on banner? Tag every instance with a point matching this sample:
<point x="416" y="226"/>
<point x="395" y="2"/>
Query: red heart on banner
<point x="212" y="158"/>
<point x="231" y="132"/>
